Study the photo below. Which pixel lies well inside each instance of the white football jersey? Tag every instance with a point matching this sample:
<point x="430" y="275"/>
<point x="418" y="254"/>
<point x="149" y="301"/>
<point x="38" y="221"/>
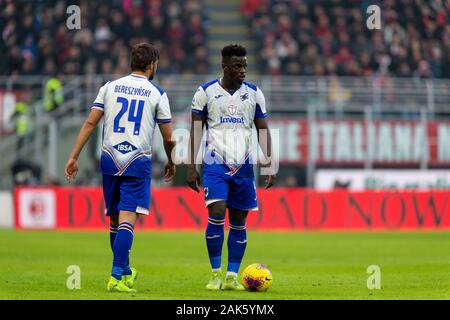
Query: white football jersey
<point x="132" y="106"/>
<point x="229" y="119"/>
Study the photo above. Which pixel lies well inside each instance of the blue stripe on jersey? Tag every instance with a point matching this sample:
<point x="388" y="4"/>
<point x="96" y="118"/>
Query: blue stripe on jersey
<point x="252" y="86"/>
<point x="203" y="113"/>
<point x="161" y="91"/>
<point x="163" y="120"/>
<point x="206" y="85"/>
<point x="258" y="113"/>
<point x="100" y="105"/>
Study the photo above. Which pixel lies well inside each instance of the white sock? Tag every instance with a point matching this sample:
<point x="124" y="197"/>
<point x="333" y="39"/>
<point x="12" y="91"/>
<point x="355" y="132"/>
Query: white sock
<point x="229" y="273"/>
<point x="216" y="270"/>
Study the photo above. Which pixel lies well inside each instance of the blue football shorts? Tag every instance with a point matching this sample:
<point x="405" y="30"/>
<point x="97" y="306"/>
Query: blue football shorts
<point x="237" y="192"/>
<point x="126" y="193"/>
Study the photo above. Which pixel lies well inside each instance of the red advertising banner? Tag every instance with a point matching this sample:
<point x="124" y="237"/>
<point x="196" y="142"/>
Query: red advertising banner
<point x="353" y="141"/>
<point x="280" y="209"/>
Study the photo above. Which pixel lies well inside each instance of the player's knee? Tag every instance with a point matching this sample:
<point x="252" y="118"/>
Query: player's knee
<point x="128" y="216"/>
<point x="114" y="220"/>
<point x="237" y="221"/>
<point x="238" y="217"/>
<point x="217" y="209"/>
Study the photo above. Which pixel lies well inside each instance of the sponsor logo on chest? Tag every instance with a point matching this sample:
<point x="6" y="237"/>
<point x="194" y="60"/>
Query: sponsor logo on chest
<point x="124" y="147"/>
<point x="233" y="115"/>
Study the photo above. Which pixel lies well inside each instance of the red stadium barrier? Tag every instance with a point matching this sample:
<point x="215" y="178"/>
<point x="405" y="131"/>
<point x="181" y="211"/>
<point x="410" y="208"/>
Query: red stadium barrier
<point x="280" y="209"/>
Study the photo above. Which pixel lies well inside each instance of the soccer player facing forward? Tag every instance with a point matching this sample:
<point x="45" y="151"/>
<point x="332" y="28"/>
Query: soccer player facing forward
<point x="228" y="107"/>
<point x="131" y="107"/>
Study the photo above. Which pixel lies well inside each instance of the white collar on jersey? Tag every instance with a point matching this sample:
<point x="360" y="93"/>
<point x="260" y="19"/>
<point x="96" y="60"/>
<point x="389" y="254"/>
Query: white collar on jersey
<point x="138" y="76"/>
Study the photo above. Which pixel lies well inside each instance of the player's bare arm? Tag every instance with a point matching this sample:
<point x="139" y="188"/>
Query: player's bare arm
<point x="86" y="131"/>
<point x="169" y="145"/>
<point x="265" y="141"/>
<point x="193" y="177"/>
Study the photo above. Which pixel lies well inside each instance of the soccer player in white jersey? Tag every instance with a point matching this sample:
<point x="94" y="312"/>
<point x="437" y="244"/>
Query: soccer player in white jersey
<point x="131" y="107"/>
<point x="228" y="107"/>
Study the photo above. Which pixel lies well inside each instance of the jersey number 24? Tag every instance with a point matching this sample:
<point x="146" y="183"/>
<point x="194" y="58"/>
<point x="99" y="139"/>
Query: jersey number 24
<point x="134" y="114"/>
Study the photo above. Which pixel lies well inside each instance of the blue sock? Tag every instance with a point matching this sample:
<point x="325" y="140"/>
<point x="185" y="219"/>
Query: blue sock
<point x="214" y="240"/>
<point x="127" y="269"/>
<point x="237" y="242"/>
<point x="121" y="249"/>
<point x="112" y="238"/>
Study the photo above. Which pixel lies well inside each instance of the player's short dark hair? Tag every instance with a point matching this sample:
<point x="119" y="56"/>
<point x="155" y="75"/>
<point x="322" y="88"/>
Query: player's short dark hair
<point x="233" y="50"/>
<point x="142" y="54"/>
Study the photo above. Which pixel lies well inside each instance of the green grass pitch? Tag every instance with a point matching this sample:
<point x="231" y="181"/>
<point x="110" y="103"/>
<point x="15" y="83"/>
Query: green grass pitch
<point x="174" y="265"/>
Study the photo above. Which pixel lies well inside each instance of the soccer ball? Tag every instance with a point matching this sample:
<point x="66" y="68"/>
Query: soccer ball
<point x="256" y="277"/>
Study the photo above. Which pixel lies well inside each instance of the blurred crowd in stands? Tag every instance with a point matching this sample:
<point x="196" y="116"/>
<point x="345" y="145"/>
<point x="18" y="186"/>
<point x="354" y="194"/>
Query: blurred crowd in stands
<point x="330" y="37"/>
<point x="295" y="37"/>
<point x="36" y="41"/>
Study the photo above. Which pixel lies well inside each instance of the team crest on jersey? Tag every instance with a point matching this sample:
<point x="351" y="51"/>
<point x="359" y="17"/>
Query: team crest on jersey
<point x="244" y="96"/>
<point x="232" y="110"/>
<point x="234" y="116"/>
<point x="124" y="147"/>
